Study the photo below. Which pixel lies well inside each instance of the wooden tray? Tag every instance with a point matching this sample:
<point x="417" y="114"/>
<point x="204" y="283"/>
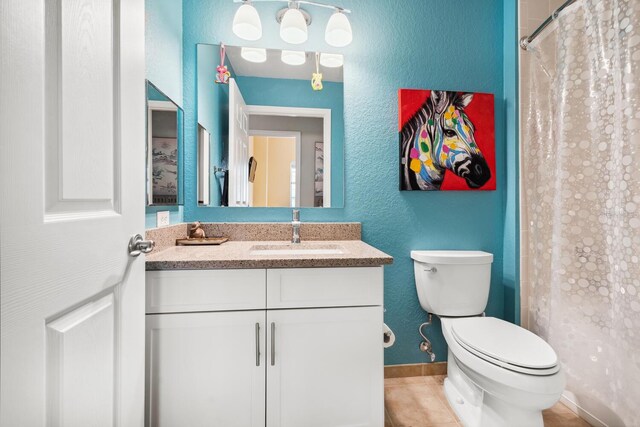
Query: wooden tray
<point x="201" y="242"/>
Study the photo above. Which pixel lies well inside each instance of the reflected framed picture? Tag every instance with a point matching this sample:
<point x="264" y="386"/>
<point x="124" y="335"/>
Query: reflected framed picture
<point x="446" y="140"/>
<point x="318" y="199"/>
<point x="165" y="170"/>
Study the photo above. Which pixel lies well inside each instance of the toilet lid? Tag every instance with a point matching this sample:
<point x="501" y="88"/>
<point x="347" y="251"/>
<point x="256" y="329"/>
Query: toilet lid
<point x="505" y="344"/>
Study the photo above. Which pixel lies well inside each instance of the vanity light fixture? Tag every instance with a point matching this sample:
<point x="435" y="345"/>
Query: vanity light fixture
<point x="293" y="57"/>
<point x="254" y="54"/>
<point x="338" y="32"/>
<point x="294" y="22"/>
<point x="331" y="60"/>
<point x="293" y="25"/>
<point x="246" y="22"/>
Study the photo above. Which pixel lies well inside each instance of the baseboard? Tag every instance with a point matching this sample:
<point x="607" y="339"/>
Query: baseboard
<point x="415" y="370"/>
<point x="568" y="400"/>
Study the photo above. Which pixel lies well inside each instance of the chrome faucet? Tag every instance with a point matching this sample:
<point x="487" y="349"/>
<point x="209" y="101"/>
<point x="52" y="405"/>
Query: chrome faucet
<point x="295" y="223"/>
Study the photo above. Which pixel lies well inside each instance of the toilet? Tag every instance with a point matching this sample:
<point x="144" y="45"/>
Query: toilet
<point x="498" y="374"/>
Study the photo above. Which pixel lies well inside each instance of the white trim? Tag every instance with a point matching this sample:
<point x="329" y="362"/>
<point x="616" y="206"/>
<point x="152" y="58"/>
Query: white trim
<point x="162" y="105"/>
<point x="283" y="134"/>
<point x="149" y="156"/>
<point x="325" y="115"/>
<point x="567" y="400"/>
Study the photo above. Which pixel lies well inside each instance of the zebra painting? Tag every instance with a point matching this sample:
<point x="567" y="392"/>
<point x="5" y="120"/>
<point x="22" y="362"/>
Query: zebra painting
<point x="440" y="137"/>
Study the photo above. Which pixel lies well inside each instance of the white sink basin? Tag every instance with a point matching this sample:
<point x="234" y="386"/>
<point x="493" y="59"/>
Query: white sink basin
<point x="297" y="249"/>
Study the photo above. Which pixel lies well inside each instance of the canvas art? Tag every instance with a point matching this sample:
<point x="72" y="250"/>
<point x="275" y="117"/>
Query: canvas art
<point x="447" y="140"/>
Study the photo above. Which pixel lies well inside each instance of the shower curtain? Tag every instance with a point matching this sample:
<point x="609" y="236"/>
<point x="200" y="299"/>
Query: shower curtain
<point x="580" y="202"/>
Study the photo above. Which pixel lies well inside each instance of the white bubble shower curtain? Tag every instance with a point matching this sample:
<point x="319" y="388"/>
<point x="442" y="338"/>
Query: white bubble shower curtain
<point x="580" y="207"/>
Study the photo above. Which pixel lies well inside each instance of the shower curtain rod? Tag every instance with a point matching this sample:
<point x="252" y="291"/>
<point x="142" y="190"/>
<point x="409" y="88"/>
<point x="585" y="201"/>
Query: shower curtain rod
<point x="524" y="41"/>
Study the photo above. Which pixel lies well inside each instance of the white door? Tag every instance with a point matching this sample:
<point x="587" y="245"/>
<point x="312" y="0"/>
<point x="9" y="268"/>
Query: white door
<point x="72" y="193"/>
<point x="238" y="147"/>
<point x="206" y="369"/>
<point x="325" y="367"/>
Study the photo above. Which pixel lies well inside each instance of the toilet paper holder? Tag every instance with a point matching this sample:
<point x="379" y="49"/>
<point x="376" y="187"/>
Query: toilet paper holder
<point x="388" y="337"/>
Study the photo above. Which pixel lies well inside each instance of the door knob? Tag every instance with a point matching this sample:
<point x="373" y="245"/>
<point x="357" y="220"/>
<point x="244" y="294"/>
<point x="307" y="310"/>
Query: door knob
<point x="138" y="245"/>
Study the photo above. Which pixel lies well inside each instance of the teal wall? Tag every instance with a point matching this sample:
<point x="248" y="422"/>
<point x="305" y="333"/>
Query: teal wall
<point x="176" y="214"/>
<point x="163" y="46"/>
<point x="163" y="60"/>
<point x="298" y="93"/>
<point x="511" y="239"/>
<point x="213" y="111"/>
<point x="154" y="94"/>
<point x="429" y="44"/>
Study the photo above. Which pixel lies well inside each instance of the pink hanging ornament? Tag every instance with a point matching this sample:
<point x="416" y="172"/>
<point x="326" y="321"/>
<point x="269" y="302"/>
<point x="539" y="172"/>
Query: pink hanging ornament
<point x="223" y="74"/>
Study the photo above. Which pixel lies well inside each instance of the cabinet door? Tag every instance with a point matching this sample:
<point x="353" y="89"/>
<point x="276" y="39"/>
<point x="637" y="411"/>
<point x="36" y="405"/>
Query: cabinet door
<point x="206" y="369"/>
<point x="325" y="367"/>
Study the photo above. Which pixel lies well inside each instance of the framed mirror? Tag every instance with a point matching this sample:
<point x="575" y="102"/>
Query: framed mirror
<point x="164" y="149"/>
<point x="268" y="138"/>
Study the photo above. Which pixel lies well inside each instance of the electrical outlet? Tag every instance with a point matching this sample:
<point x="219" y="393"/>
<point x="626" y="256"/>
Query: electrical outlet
<point x="162" y="219"/>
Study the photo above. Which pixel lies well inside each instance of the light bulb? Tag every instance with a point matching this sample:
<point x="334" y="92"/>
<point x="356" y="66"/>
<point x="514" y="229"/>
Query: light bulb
<point x="338" y="32"/>
<point x="254" y="54"/>
<point x="246" y="23"/>
<point x="331" y="60"/>
<point x="293" y="57"/>
<point x="293" y="28"/>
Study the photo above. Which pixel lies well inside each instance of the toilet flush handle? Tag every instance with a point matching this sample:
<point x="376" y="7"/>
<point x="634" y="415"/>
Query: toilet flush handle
<point x="431" y="270"/>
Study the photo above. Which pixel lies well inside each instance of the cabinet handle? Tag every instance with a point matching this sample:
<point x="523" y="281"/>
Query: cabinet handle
<point x="257" y="344"/>
<point x="273" y="343"/>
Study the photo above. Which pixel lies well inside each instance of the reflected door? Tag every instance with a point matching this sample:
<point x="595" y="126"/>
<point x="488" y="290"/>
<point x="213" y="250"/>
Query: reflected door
<point x="238" y="148"/>
<point x="72" y="176"/>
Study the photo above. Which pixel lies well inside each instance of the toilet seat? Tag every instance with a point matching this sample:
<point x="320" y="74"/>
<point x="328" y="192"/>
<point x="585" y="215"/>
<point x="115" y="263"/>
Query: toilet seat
<point x="505" y="344"/>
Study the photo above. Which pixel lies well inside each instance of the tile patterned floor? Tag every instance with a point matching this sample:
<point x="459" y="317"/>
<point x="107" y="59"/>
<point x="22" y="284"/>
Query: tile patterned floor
<point x="420" y="402"/>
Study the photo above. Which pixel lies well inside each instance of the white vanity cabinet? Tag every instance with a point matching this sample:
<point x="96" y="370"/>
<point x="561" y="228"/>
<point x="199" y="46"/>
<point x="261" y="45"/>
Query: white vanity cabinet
<point x="203" y="369"/>
<point x="305" y="349"/>
<point x="327" y="369"/>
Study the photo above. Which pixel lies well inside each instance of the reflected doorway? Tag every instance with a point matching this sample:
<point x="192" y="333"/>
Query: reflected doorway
<point x="275" y="181"/>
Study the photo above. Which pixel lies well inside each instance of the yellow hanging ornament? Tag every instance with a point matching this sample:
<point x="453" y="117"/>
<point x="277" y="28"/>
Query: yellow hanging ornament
<point x="316" y="81"/>
<point x="316" y="78"/>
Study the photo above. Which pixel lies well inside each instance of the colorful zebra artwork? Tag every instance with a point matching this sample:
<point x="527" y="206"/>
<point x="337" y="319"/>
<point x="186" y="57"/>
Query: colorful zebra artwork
<point x="447" y="140"/>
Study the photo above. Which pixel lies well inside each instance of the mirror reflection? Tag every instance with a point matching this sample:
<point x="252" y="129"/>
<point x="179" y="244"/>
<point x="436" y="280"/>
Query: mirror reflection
<point x="270" y="136"/>
<point x="164" y="149"/>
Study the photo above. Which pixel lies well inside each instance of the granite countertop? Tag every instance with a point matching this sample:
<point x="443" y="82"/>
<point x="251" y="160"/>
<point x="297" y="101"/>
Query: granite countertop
<point x="238" y="254"/>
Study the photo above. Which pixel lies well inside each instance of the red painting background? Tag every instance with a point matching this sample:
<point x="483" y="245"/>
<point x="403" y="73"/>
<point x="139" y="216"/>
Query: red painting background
<point x="480" y="112"/>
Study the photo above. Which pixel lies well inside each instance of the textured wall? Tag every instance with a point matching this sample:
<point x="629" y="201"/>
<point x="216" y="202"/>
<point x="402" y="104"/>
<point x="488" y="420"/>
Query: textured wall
<point x="511" y="249"/>
<point x="213" y="112"/>
<point x="163" y="46"/>
<point x="427" y="44"/>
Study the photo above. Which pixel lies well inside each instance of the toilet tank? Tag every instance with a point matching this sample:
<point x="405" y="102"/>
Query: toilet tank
<point x="453" y="283"/>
